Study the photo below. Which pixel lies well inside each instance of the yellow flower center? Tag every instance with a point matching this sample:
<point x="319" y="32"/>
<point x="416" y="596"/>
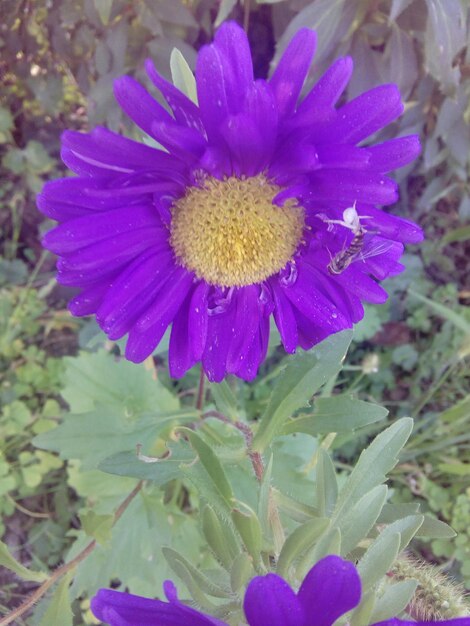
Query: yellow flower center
<point x="229" y="233"/>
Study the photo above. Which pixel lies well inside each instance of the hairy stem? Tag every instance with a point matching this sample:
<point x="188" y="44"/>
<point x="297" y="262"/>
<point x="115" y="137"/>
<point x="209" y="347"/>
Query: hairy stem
<point x="255" y="457"/>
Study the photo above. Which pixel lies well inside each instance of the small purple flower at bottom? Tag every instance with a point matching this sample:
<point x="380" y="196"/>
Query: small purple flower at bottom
<point x="331" y="588"/>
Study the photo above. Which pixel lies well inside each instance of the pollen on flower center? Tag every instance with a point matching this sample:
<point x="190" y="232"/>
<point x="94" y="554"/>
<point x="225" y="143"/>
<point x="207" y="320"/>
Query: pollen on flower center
<point x="229" y="233"/>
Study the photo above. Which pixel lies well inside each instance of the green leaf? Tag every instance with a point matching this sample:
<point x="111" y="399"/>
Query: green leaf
<point x="211" y="464"/>
<point x="445" y="36"/>
<point x="182" y="76"/>
<point x="407" y="527"/>
<point x="103" y="433"/>
<point x="456" y="468"/>
<point x="392" y="512"/>
<point x="398" y="6"/>
<point x="224" y="399"/>
<point x="97" y="526"/>
<point x="374" y="464"/>
<point x="225" y="8"/>
<point x="133" y="555"/>
<point x="329" y="543"/>
<point x="378" y="559"/>
<point x="99" y="380"/>
<point x="192" y="577"/>
<point x="249" y="528"/>
<point x="103" y="8"/>
<point x="220" y="537"/>
<point x="356" y="523"/>
<point x="160" y="472"/>
<point x="462" y="233"/>
<point x="58" y="611"/>
<point x="303" y="375"/>
<point x="294" y="509"/>
<point x="324" y="16"/>
<point x="6" y="120"/>
<point x="241" y="572"/>
<point x="370" y="324"/>
<point x="264" y="500"/>
<point x="8" y="561"/>
<point x="300" y="540"/>
<point x="361" y="614"/>
<point x="433" y="528"/>
<point x="395" y="599"/>
<point x="339" y="414"/>
<point x="460" y="410"/>
<point x="444" y="311"/>
<point x="326" y="484"/>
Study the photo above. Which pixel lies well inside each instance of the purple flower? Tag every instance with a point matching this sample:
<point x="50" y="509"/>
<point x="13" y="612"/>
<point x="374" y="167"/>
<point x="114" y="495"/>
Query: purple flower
<point x="331" y="588"/>
<point x="258" y="205"/>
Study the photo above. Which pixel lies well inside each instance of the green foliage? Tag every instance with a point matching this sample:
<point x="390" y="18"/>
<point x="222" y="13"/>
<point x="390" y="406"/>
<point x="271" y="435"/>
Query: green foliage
<point x="8" y="561"/>
<point x="29" y="384"/>
<point x="101" y="424"/>
<point x="301" y="378"/>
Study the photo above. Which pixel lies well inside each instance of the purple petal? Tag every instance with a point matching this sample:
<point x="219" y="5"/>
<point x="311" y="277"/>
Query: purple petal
<point x="217" y="161"/>
<point x="351" y="186"/>
<point x="284" y="318"/>
<point x="198" y="320"/>
<point x="292" y="160"/>
<point x="354" y="280"/>
<point x="84" y="231"/>
<point x="101" y="259"/>
<point x="212" y="95"/>
<point x="232" y="42"/>
<point x="89" y="300"/>
<point x="328" y="89"/>
<point x="309" y="332"/>
<point x="150" y="328"/>
<point x="132" y="292"/>
<point x="245" y="323"/>
<point x="124" y="609"/>
<point x="269" y="601"/>
<point x="251" y="134"/>
<point x="180" y="358"/>
<point x="341" y="156"/>
<point x="248" y="368"/>
<point x="381" y="257"/>
<point x="179" y="140"/>
<point x="291" y="71"/>
<point x="112" y="153"/>
<point x="346" y="302"/>
<point x="66" y="198"/>
<point x="219" y="335"/>
<point x="184" y="110"/>
<point x="139" y="104"/>
<point x="362" y="116"/>
<point x="306" y="297"/>
<point x="172" y="596"/>
<point x="391" y="226"/>
<point x="246" y="147"/>
<point x="330" y="589"/>
<point x="393" y="154"/>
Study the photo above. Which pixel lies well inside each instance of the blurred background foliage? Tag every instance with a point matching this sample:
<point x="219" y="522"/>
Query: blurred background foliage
<point x="58" y="60"/>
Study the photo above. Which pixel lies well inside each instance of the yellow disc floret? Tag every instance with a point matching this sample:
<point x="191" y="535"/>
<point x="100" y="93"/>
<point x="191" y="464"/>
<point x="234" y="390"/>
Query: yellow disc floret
<point x="229" y="233"/>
